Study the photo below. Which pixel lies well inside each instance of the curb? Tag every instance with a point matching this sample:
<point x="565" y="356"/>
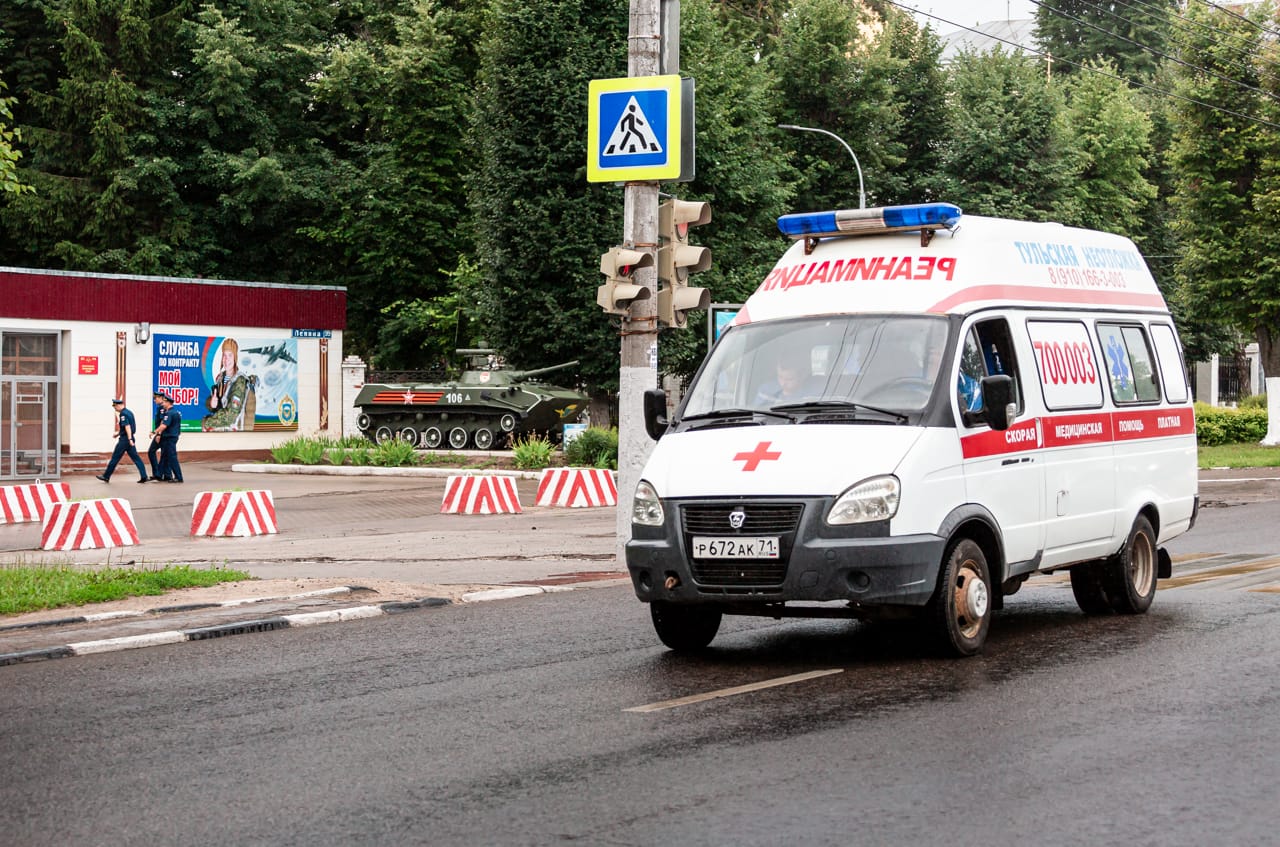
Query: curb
<point x="130" y="642"/>
<point x="370" y="470"/>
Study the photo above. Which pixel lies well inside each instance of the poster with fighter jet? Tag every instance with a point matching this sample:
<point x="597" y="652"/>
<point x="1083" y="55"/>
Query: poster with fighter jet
<point x="226" y="384"/>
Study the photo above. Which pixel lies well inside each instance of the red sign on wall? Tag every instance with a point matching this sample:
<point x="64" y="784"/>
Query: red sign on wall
<point x="88" y="364"/>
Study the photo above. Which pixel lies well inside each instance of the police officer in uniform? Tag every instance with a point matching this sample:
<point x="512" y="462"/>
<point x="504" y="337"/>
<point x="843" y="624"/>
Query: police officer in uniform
<point x="153" y="451"/>
<point x="126" y="429"/>
<point x="167" y="434"/>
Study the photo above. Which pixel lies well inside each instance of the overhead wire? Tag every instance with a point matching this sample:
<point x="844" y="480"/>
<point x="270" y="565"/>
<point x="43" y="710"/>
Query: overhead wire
<point x="1158" y="53"/>
<point x="1184" y="29"/>
<point x="1090" y="69"/>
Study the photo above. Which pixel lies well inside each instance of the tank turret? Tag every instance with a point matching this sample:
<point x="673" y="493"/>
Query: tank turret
<point x="486" y="406"/>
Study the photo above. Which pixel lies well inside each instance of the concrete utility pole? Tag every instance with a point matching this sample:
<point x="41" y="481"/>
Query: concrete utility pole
<point x="639" y="363"/>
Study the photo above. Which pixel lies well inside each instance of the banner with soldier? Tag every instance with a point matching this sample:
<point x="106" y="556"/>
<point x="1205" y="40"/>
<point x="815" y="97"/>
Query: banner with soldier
<point x="225" y="384"/>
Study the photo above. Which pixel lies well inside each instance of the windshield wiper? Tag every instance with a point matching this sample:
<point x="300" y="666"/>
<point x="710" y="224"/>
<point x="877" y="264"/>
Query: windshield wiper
<point x="721" y="414"/>
<point x="822" y="405"/>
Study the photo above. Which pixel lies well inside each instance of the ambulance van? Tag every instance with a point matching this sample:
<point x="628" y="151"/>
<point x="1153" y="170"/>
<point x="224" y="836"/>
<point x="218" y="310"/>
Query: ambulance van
<point x="913" y="413"/>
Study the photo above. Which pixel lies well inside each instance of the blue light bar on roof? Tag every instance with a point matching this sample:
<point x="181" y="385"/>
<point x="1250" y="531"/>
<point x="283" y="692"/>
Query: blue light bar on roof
<point x="870" y="221"/>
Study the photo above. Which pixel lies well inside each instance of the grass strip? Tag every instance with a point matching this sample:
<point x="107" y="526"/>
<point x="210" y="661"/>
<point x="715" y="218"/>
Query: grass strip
<point x="1247" y="455"/>
<point x="27" y="588"/>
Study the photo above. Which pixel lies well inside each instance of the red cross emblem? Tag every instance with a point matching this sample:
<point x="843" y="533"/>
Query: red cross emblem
<point x="761" y="453"/>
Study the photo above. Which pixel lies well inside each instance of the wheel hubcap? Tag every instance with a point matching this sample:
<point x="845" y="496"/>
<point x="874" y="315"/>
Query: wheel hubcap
<point x="1142" y="567"/>
<point x="972" y="600"/>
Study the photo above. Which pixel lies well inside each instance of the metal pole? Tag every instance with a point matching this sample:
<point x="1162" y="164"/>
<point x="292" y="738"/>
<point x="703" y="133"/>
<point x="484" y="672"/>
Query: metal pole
<point x="862" y="195"/>
<point x="638" y="369"/>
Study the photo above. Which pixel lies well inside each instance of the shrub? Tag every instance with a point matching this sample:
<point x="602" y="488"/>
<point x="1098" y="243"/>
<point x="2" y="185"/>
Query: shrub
<point x="1216" y="425"/>
<point x="394" y="454"/>
<point x="594" y="448"/>
<point x="531" y="453"/>
<point x="1254" y="401"/>
<point x="284" y="454"/>
<point x="361" y="455"/>
<point x="336" y="455"/>
<point x="311" y="450"/>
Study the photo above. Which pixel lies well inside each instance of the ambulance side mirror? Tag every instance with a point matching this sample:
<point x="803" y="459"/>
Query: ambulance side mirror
<point x="655" y="412"/>
<point x="997" y="401"/>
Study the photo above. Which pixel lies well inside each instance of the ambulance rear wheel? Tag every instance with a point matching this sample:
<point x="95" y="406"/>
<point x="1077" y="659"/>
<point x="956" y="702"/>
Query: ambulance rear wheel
<point x="685" y="628"/>
<point x="1129" y="577"/>
<point x="1086" y="585"/>
<point x="383" y="434"/>
<point x="431" y="437"/>
<point x="483" y="438"/>
<point x="457" y="438"/>
<point x="960" y="611"/>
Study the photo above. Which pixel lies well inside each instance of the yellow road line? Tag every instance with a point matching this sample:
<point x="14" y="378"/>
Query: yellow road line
<point x="730" y="692"/>
<point x="1218" y="573"/>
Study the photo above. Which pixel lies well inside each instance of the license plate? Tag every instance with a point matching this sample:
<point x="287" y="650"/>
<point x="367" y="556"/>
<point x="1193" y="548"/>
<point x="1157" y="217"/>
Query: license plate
<point x="735" y="547"/>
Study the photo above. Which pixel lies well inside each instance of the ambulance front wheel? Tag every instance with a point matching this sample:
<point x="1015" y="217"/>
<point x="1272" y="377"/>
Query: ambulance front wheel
<point x="1130" y="576"/>
<point x="685" y="628"/>
<point x="960" y="611"/>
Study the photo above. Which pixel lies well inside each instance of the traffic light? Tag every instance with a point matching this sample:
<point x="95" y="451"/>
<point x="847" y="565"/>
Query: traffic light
<point x="619" y="290"/>
<point x="677" y="258"/>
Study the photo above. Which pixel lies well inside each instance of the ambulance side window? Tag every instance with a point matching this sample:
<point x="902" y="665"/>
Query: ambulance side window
<point x="1173" y="373"/>
<point x="1065" y="359"/>
<point x="1129" y="364"/>
<point x="987" y="351"/>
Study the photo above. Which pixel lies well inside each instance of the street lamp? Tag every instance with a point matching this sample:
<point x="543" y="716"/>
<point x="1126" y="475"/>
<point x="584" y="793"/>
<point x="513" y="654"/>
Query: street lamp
<point x="862" y="195"/>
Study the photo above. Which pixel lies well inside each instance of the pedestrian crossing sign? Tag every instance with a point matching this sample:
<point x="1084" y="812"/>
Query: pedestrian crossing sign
<point x="635" y="129"/>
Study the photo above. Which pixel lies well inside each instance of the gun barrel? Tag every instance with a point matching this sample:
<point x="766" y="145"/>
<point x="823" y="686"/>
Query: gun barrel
<point x="540" y="371"/>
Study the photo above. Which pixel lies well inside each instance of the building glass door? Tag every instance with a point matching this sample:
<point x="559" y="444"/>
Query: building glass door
<point x="29" y="435"/>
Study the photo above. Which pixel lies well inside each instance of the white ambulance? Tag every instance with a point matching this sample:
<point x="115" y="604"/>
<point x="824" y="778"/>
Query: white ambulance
<point x="911" y="415"/>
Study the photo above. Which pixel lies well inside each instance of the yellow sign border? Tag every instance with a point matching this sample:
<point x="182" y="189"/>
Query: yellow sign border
<point x="647" y="173"/>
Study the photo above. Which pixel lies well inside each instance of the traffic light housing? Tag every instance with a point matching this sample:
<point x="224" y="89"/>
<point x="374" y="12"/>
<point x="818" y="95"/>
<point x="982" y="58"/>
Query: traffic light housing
<point x="677" y="258"/>
<point x="620" y="290"/>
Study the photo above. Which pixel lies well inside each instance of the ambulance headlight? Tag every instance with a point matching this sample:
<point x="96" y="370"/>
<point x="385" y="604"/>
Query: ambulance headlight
<point x="646" y="508"/>
<point x="874" y="499"/>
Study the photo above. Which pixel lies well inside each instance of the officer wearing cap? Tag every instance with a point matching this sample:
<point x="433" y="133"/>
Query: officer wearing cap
<point x="153" y="451"/>
<point x="126" y="429"/>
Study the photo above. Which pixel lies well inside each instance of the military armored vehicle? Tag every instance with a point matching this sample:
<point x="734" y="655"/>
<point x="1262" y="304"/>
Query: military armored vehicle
<point x="486" y="406"/>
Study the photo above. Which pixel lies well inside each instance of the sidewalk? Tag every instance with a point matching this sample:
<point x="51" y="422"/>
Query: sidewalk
<point x="374" y="543"/>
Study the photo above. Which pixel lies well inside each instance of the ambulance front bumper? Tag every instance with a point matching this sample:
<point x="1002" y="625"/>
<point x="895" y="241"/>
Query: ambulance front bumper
<point x="861" y="564"/>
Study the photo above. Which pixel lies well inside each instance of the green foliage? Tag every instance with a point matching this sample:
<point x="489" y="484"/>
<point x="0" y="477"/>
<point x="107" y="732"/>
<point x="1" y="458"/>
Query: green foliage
<point x="540" y="227"/>
<point x="595" y="447"/>
<point x="286" y="452"/>
<point x="1216" y="425"/>
<point x="9" y="154"/>
<point x="1008" y="151"/>
<point x="532" y="452"/>
<point x="394" y="454"/>
<point x="1077" y="32"/>
<point x="312" y="450"/>
<point x="336" y="456"/>
<point x="25" y="588"/>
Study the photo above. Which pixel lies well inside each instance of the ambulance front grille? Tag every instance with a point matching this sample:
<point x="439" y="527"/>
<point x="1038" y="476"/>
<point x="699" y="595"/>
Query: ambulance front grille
<point x="758" y="519"/>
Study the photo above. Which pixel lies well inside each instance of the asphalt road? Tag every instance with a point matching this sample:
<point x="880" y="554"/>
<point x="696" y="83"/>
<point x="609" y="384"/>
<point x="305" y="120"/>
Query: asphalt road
<point x="560" y="718"/>
<point x="516" y="723"/>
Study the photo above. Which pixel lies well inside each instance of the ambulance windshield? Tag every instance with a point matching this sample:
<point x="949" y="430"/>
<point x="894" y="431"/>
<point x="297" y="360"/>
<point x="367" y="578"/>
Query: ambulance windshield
<point x="877" y="361"/>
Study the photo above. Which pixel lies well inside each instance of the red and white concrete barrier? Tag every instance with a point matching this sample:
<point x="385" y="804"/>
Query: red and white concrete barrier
<point x="233" y="513"/>
<point x="480" y="495"/>
<point x="577" y="487"/>
<point x="30" y="502"/>
<point x="89" y="524"/>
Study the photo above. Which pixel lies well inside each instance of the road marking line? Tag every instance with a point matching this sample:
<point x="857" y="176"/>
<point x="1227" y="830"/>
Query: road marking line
<point x="730" y="692"/>
<point x="1223" y="572"/>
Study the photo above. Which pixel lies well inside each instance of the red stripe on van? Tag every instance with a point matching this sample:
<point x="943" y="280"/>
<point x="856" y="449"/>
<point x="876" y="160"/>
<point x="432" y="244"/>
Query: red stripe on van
<point x="1042" y="294"/>
<point x="1092" y="428"/>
